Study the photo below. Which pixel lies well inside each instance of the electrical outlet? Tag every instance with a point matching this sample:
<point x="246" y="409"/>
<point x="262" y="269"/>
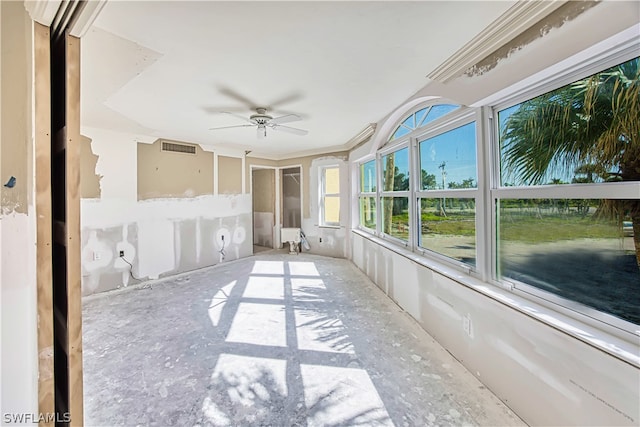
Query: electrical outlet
<point x="97" y="256"/>
<point x="121" y="254"/>
<point x="466" y="325"/>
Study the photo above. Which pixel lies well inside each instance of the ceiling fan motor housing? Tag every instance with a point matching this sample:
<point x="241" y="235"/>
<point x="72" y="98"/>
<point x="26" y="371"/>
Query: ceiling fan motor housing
<point x="262" y="117"/>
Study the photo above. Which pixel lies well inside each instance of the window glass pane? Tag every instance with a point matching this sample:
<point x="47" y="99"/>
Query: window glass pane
<point x="448" y="226"/>
<point x="368" y="212"/>
<point x="410" y="122"/>
<point x="584" y="132"/>
<point x="449" y="159"/>
<point x="332" y="209"/>
<point x="368" y="177"/>
<point x="401" y="131"/>
<point x="395" y="215"/>
<point x="395" y="170"/>
<point x="438" y="111"/>
<point x="332" y="180"/>
<point x="577" y="249"/>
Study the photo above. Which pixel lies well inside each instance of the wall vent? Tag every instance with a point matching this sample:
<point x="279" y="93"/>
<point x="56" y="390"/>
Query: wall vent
<point x="178" y="148"/>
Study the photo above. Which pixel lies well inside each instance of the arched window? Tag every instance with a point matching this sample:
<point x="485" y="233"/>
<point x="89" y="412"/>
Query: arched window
<point x="421" y="118"/>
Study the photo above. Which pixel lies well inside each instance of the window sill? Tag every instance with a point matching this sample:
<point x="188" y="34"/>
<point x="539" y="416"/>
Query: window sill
<point x="618" y="343"/>
<point x="335" y="227"/>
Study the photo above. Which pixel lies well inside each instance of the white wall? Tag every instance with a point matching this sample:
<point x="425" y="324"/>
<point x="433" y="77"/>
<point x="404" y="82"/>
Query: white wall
<point x="515" y="347"/>
<point x="18" y="311"/>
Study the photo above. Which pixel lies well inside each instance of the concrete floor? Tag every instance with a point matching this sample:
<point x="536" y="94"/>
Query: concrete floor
<point x="274" y="339"/>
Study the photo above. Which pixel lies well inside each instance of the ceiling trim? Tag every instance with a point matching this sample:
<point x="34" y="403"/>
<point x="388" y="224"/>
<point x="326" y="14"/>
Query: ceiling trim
<point x="514" y="21"/>
<point x="78" y="15"/>
<point x="42" y="11"/>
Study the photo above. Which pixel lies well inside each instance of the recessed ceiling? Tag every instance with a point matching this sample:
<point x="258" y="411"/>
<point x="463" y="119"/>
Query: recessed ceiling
<point x="165" y="69"/>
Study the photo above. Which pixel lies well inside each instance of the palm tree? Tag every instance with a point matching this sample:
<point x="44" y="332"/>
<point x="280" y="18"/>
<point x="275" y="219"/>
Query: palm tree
<point x="595" y="121"/>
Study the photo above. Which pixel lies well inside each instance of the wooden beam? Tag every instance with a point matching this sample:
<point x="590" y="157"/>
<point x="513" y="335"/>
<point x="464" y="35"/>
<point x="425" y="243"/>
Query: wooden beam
<point x="44" y="280"/>
<point x="74" y="294"/>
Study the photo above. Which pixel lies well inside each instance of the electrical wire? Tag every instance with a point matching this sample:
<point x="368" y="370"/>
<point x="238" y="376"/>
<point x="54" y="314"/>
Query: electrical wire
<point x="222" y="250"/>
<point x="130" y="269"/>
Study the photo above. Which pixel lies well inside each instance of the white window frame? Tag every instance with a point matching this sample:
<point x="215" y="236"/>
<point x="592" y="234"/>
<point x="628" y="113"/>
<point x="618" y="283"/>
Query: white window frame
<point x="393" y="147"/>
<point x="368" y="194"/>
<point x="611" y="190"/>
<point x="455" y="119"/>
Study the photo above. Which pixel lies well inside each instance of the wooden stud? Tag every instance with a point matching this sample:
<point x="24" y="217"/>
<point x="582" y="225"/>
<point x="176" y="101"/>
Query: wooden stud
<point x="44" y="280"/>
<point x="74" y="293"/>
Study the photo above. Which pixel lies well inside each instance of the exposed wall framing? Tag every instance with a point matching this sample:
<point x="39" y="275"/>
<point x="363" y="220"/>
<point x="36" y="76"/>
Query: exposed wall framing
<point x="42" y="58"/>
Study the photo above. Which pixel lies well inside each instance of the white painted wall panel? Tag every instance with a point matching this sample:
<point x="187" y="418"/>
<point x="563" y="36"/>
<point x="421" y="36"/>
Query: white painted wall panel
<point x="546" y="376"/>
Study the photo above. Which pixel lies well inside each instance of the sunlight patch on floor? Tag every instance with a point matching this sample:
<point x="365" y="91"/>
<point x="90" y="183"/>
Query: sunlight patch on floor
<point x="259" y="324"/>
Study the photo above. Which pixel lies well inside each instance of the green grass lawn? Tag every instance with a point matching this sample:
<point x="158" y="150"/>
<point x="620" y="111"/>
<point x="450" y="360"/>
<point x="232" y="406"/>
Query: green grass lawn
<point x="524" y="228"/>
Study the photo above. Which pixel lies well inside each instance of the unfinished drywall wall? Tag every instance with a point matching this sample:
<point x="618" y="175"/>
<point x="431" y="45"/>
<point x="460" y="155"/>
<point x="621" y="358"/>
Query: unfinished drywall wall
<point x="504" y="341"/>
<point x="158" y="237"/>
<point x="173" y="174"/>
<point x="89" y="179"/>
<point x="18" y="312"/>
<point x="229" y="175"/>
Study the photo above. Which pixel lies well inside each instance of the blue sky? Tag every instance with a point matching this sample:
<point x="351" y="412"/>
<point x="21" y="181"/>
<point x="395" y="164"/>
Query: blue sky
<point x="457" y="149"/>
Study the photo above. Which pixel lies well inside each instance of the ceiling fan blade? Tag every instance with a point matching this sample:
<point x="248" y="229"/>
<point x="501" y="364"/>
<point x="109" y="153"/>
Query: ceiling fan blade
<point x="237" y="96"/>
<point x="261" y="132"/>
<point x="290" y="130"/>
<point x="239" y="117"/>
<point x="285" y="119"/>
<point x="229" y="127"/>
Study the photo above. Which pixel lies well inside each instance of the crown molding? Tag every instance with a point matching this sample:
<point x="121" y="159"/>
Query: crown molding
<point x="510" y="24"/>
<point x="42" y="11"/>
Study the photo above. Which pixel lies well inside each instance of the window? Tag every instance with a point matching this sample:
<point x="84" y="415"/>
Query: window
<point x="448" y="191"/>
<point x="556" y="190"/>
<point x="569" y="179"/>
<point x="395" y="194"/>
<point x="367" y="195"/>
<point x="421" y="118"/>
<point x="330" y="200"/>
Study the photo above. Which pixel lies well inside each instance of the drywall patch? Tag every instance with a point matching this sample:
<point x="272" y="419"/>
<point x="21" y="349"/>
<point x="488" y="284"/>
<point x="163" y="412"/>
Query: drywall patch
<point x="557" y="19"/>
<point x="89" y="179"/>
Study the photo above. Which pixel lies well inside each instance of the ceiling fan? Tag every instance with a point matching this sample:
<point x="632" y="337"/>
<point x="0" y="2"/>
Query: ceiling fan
<point x="261" y="120"/>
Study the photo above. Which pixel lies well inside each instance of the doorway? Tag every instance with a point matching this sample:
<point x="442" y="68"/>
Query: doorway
<point x="291" y="197"/>
<point x="263" y="195"/>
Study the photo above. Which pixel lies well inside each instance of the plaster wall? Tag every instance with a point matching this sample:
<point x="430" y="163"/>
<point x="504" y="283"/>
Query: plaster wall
<point x="18" y="309"/>
<point x="546" y="376"/>
<point x="158" y="237"/>
<point x="229" y="175"/>
<point x="171" y="174"/>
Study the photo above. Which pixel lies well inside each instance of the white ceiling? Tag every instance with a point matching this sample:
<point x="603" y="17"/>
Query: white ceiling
<point x="163" y="69"/>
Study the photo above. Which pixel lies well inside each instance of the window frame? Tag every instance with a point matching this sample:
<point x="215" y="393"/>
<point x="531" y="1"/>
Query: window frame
<point x="324" y="195"/>
<point x="368" y="194"/>
<point x="397" y="145"/>
<point x="618" y="49"/>
<point x="600" y="190"/>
